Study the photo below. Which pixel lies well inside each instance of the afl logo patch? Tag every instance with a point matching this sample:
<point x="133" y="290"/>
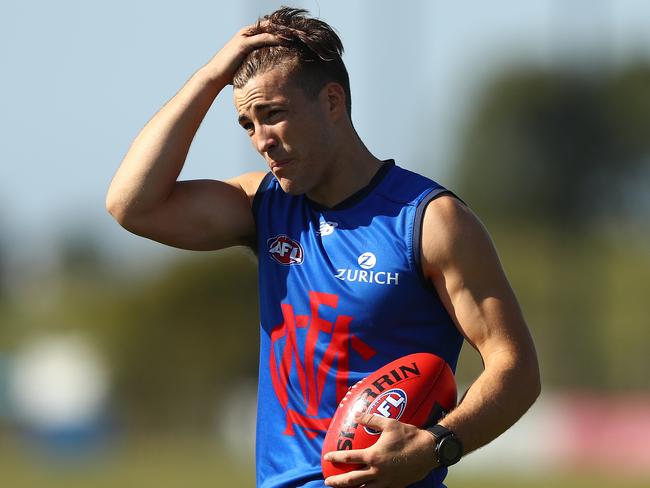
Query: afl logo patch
<point x="285" y="250"/>
<point x="390" y="404"/>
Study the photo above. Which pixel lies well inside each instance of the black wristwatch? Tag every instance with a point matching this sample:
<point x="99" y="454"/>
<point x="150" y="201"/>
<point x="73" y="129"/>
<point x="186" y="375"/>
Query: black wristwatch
<point x="449" y="448"/>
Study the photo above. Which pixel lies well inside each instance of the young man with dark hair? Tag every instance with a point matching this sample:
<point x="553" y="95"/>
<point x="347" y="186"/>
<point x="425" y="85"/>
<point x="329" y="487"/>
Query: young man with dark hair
<point x="360" y="261"/>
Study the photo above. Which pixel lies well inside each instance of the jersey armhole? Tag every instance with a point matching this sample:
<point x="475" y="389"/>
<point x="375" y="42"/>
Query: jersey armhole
<point x="257" y="199"/>
<point x="418" y="223"/>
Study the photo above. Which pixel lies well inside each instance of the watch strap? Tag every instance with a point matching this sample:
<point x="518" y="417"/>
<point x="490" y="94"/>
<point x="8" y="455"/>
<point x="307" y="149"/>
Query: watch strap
<point x="439" y="432"/>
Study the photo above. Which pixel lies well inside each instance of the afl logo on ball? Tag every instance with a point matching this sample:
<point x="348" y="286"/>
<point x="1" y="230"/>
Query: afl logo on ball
<point x="285" y="250"/>
<point x="390" y="404"/>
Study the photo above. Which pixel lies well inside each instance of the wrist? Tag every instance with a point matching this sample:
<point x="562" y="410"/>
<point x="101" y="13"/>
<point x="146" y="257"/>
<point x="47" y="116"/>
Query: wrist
<point x="212" y="77"/>
<point x="448" y="448"/>
<point x="430" y="449"/>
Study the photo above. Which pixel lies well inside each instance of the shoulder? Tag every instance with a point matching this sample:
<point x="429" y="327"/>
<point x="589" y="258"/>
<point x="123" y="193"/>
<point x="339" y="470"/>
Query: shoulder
<point x="249" y="183"/>
<point x="453" y="237"/>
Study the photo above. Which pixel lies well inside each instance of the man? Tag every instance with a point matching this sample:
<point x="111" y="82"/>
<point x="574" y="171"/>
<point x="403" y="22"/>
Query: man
<point x="360" y="261"/>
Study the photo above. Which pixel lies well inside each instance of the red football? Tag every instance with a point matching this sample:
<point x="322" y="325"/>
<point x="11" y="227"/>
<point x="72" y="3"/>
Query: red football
<point x="416" y="389"/>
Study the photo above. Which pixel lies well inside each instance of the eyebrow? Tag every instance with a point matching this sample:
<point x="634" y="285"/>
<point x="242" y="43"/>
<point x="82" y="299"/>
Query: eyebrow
<point x="256" y="108"/>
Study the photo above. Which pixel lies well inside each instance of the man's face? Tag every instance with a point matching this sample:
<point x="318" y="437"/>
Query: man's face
<point x="288" y="128"/>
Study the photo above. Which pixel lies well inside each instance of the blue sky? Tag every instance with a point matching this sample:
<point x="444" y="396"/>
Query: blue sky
<point x="79" y="79"/>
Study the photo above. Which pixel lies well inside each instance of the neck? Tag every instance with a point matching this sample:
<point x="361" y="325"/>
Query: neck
<point x="351" y="168"/>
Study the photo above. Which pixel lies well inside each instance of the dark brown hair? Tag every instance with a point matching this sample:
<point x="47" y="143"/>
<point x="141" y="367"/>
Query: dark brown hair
<point x="310" y="50"/>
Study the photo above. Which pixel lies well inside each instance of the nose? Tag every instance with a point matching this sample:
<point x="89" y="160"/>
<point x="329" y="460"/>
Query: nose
<point x="264" y="140"/>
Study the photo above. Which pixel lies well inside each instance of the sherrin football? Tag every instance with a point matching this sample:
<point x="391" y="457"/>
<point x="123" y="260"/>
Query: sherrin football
<point x="416" y="389"/>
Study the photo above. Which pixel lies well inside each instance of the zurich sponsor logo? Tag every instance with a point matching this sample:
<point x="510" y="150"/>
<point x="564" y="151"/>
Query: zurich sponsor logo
<point x="367" y="261"/>
<point x="390" y="404"/>
<point x="285" y="250"/>
<point x="326" y="228"/>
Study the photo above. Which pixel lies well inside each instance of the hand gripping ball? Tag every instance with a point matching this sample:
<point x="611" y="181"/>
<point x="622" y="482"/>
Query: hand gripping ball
<point x="417" y="389"/>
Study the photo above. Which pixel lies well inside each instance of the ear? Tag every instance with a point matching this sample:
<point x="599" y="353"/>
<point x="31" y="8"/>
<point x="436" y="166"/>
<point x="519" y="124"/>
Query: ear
<point x="335" y="100"/>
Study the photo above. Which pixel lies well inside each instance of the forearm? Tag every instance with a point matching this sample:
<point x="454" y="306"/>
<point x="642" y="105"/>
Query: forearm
<point x="504" y="391"/>
<point x="151" y="167"/>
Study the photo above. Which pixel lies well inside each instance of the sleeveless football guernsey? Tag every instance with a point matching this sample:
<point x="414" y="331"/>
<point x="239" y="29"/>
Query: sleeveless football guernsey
<point x="341" y="294"/>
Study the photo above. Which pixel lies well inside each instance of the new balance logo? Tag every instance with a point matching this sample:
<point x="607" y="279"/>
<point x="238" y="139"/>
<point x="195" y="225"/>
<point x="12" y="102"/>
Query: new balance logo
<point x="326" y="228"/>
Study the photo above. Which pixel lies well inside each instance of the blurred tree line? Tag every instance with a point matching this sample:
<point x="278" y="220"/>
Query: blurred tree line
<point x="174" y="339"/>
<point x="566" y="149"/>
<point x="557" y="163"/>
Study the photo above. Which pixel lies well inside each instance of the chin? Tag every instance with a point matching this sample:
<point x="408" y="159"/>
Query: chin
<point x="290" y="187"/>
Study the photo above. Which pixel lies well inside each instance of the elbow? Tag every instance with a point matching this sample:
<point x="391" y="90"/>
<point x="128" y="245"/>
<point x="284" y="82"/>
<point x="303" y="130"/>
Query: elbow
<point x="115" y="207"/>
<point x="533" y="381"/>
<point x="110" y="204"/>
<point x="524" y="379"/>
<point x="118" y="207"/>
<point x="538" y="386"/>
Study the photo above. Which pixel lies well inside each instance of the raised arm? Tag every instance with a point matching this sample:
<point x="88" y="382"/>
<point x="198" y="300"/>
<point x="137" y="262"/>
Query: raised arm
<point x="145" y="196"/>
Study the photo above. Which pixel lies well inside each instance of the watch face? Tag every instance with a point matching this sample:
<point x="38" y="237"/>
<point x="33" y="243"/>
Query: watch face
<point x="450" y="450"/>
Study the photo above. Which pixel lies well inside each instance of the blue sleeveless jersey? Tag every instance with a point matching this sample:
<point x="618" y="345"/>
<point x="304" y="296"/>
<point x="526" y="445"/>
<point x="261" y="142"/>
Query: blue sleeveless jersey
<point x="341" y="294"/>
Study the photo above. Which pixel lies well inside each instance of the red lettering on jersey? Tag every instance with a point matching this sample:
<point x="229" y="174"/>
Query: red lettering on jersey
<point x="310" y="425"/>
<point x="312" y="376"/>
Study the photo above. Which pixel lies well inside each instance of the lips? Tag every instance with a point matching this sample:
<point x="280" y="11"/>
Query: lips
<point x="279" y="164"/>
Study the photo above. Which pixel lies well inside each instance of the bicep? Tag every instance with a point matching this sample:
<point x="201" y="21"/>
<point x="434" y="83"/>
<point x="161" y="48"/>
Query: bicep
<point x="202" y="215"/>
<point x="460" y="260"/>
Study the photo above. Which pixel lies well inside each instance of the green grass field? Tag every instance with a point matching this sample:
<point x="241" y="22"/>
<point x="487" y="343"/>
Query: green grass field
<point x="196" y="464"/>
<point x="559" y="481"/>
